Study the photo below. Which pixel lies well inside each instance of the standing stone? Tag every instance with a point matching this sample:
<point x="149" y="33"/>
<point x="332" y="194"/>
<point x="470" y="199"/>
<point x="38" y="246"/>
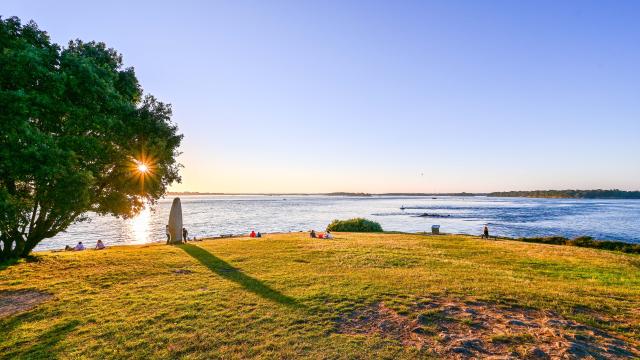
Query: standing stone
<point x="175" y="222"/>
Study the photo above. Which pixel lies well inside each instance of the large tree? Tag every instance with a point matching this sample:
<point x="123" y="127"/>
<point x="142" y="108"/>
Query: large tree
<point x="76" y="136"/>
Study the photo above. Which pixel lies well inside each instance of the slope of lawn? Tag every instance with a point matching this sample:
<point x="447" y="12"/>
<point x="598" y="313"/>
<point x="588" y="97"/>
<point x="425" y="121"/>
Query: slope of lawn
<point x="286" y="295"/>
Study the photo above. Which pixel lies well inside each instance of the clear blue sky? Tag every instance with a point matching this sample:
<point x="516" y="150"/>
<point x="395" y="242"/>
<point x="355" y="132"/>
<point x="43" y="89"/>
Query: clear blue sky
<point x="382" y="96"/>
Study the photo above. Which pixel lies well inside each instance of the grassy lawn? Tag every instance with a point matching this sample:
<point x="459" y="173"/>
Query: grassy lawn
<point x="286" y="296"/>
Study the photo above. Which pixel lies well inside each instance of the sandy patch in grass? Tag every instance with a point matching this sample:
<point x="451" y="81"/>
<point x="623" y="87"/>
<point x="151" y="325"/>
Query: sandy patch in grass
<point x="457" y="329"/>
<point x="13" y="302"/>
<point x="182" y="272"/>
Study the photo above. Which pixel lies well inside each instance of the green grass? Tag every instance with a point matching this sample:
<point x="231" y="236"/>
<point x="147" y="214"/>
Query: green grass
<point x="280" y="296"/>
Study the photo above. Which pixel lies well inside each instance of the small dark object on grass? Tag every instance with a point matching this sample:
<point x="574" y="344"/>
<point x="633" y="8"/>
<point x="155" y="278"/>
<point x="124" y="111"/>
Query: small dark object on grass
<point x="182" y="271"/>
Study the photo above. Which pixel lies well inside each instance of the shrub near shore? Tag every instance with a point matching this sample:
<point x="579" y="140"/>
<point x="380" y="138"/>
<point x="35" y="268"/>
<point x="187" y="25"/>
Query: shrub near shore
<point x="354" y="225"/>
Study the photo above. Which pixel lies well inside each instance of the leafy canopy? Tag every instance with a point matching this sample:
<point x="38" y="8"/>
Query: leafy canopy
<point x="74" y="128"/>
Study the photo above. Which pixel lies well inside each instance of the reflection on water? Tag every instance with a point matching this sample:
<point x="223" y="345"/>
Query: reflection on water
<point x="139" y="226"/>
<point x="214" y="215"/>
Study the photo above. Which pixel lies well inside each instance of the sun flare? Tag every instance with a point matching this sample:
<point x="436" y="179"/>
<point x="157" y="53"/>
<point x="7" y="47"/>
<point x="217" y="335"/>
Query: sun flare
<point x="143" y="168"/>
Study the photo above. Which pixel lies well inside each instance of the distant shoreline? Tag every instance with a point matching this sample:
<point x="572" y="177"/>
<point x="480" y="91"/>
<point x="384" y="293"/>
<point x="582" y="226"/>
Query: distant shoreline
<point x="538" y="194"/>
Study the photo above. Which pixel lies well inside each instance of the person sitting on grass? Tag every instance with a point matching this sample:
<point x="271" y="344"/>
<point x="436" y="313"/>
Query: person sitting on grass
<point x="100" y="245"/>
<point x="258" y="235"/>
<point x="79" y="247"/>
<point x="312" y="234"/>
<point x="253" y="234"/>
<point x="328" y="235"/>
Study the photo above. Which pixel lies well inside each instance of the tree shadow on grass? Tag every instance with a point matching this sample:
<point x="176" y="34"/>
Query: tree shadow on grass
<point x="228" y="272"/>
<point x="5" y="264"/>
<point x="44" y="347"/>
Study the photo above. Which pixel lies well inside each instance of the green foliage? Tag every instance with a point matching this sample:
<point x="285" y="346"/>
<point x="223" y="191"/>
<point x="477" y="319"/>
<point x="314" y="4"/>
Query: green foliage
<point x="72" y="125"/>
<point x="354" y="225"/>
<point x="586" y="241"/>
<point x="552" y="240"/>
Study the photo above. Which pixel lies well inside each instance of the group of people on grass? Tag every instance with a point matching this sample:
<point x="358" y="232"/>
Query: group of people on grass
<point x="100" y="245"/>
<point x="80" y="246"/>
<point x="315" y="235"/>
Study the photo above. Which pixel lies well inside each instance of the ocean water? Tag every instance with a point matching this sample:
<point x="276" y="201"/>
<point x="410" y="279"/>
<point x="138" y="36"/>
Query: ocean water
<point x="234" y="214"/>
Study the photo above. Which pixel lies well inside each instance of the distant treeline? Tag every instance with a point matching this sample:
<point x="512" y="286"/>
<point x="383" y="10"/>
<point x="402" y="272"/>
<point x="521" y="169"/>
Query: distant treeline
<point x="557" y="194"/>
<point x="173" y="193"/>
<point x="347" y="194"/>
<point x="571" y="194"/>
<point x="432" y="194"/>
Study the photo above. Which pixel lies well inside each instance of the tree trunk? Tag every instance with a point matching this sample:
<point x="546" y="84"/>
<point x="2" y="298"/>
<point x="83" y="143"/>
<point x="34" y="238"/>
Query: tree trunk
<point x="28" y="247"/>
<point x="14" y="247"/>
<point x="17" y="251"/>
<point x="8" y="249"/>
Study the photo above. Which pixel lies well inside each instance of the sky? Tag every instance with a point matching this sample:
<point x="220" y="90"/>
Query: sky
<point x="381" y="96"/>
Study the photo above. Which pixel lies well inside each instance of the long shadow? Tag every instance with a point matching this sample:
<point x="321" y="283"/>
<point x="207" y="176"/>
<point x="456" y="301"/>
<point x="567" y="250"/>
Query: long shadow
<point x="5" y="264"/>
<point x="228" y="272"/>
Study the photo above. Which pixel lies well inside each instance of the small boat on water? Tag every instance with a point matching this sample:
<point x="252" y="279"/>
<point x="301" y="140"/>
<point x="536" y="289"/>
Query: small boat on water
<point x="402" y="208"/>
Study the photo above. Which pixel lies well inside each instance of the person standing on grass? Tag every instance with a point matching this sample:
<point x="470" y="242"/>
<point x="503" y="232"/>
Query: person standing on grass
<point x="485" y="232"/>
<point x="166" y="230"/>
<point x="185" y="233"/>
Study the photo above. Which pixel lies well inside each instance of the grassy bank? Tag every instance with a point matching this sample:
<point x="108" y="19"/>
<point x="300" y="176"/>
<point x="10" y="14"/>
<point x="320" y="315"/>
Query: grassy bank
<point x="283" y="296"/>
<point x="586" y="242"/>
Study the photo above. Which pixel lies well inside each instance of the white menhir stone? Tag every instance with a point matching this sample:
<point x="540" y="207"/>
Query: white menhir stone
<point x="175" y="221"/>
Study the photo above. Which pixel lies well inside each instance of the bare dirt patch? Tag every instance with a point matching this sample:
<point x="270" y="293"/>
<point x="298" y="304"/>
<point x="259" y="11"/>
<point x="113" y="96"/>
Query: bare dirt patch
<point x="13" y="302"/>
<point x="463" y="330"/>
<point x="182" y="272"/>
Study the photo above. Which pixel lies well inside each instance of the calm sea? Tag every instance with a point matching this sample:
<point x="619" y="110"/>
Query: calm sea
<point x="234" y="214"/>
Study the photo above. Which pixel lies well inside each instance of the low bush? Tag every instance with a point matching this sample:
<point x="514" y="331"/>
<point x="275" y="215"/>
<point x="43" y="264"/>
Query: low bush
<point x="354" y="225"/>
<point x="587" y="242"/>
<point x="552" y="240"/>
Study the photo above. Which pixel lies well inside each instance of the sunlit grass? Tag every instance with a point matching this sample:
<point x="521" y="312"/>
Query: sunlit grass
<point x="278" y="297"/>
